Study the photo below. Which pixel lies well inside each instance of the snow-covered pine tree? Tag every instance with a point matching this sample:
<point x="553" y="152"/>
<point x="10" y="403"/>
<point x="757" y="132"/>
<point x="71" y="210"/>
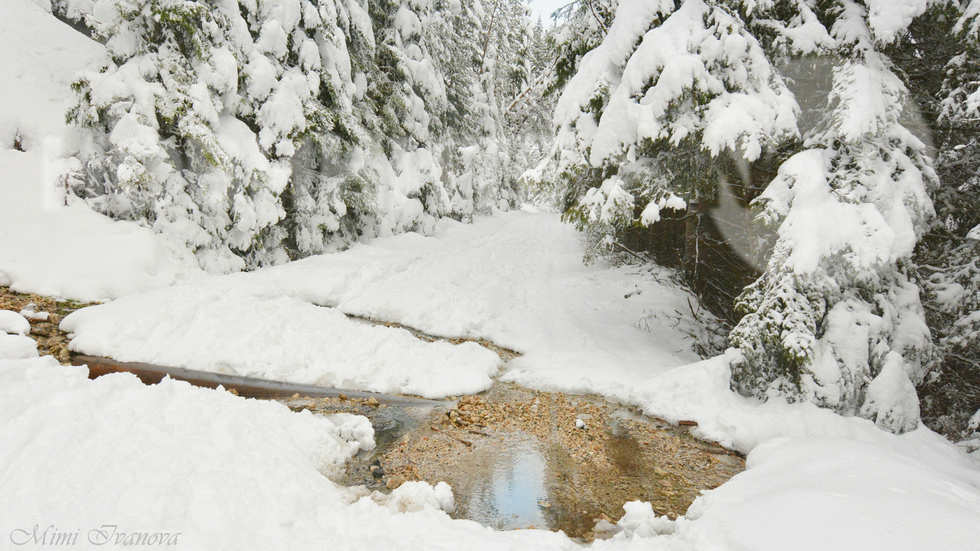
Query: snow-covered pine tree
<point x="648" y="120"/>
<point x="653" y="114"/>
<point x="407" y="98"/>
<point x="323" y="143"/>
<point x="527" y="117"/>
<point x="252" y="131"/>
<point x="197" y="119"/>
<point x="960" y="278"/>
<point x="836" y="318"/>
<point x="449" y="28"/>
<point x="583" y="26"/>
<point x="943" y="48"/>
<point x="488" y="168"/>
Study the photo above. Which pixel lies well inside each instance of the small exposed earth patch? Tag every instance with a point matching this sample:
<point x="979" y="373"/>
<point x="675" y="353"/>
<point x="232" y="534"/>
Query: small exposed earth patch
<point x="44" y="329"/>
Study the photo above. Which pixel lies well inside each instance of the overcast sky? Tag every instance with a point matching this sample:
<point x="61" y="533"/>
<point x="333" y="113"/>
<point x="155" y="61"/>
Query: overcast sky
<point x="545" y="7"/>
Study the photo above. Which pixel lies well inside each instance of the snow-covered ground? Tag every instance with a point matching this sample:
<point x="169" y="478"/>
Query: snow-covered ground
<point x="229" y="330"/>
<point x="516" y="279"/>
<point x="95" y="459"/>
<point x="114" y="460"/>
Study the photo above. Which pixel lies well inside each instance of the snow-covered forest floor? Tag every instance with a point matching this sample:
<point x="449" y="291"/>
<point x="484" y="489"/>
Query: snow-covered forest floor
<point x="204" y="469"/>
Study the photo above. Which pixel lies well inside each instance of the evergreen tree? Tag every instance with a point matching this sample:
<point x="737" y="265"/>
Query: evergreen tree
<point x="250" y="131"/>
<point x="652" y="112"/>
<point x="678" y="100"/>
<point x="939" y="55"/>
<point x="584" y="24"/>
<point x="528" y="116"/>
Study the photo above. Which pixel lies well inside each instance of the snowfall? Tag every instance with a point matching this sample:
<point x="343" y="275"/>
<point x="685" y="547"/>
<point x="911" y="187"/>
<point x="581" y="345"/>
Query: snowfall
<point x="206" y="469"/>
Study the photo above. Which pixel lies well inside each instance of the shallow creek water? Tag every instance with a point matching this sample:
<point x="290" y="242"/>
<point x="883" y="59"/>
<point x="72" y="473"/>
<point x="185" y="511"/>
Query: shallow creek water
<point x="518" y="458"/>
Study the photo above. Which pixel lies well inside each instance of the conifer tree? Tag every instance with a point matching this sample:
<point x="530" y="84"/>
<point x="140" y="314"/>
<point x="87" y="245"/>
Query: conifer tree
<point x="252" y="132"/>
<point x="677" y="97"/>
<point x="941" y="55"/>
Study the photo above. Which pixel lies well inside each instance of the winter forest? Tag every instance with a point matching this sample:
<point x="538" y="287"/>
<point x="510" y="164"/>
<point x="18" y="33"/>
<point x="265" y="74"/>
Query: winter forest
<point x="254" y="133"/>
<point x="759" y="219"/>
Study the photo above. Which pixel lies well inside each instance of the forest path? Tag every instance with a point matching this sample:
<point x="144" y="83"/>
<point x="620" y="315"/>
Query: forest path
<point x="515" y="279"/>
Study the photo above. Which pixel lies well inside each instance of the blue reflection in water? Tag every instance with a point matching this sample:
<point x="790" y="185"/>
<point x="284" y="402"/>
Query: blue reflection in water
<point x="509" y="497"/>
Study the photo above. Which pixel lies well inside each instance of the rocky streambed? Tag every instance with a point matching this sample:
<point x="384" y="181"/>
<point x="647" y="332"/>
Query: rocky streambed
<point x="45" y="314"/>
<point x="518" y="458"/>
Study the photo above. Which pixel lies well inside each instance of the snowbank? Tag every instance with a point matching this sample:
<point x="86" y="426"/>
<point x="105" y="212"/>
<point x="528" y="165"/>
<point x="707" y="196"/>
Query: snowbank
<point x="47" y="247"/>
<point x="518" y="280"/>
<point x="830" y="493"/>
<point x="169" y="458"/>
<point x="112" y="458"/>
<point x="229" y="330"/>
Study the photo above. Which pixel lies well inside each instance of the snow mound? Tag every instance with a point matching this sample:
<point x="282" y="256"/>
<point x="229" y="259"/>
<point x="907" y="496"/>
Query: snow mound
<point x="12" y="322"/>
<point x="110" y="458"/>
<point x="229" y="330"/>
<point x="17" y="347"/>
<point x="164" y="458"/>
<point x="831" y="493"/>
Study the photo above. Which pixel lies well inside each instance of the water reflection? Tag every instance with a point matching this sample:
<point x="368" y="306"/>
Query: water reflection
<point x="509" y="492"/>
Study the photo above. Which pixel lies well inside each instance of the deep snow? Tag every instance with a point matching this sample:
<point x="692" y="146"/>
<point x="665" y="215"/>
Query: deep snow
<point x="229" y="330"/>
<point x="230" y="473"/>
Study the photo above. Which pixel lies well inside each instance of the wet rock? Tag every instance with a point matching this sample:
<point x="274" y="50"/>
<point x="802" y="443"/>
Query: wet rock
<point x="395" y="482"/>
